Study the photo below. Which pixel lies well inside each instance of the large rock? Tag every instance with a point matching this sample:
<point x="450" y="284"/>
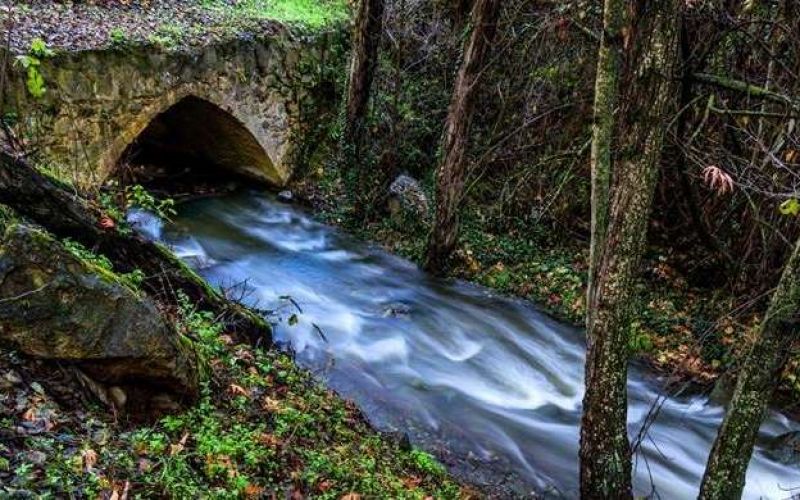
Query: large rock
<point x="56" y="306"/>
<point x="406" y="197"/>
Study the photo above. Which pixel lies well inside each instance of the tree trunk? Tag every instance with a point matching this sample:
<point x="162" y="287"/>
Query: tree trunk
<point x="606" y="96"/>
<point x="623" y="185"/>
<point x="452" y="168"/>
<point x="64" y="214"/>
<point x="363" y="63"/>
<point x="727" y="464"/>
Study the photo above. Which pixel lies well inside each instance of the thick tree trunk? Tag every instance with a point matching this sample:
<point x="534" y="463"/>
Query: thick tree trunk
<point x="727" y="464"/>
<point x="624" y="178"/>
<point x="363" y="63"/>
<point x="66" y="215"/>
<point x="452" y="168"/>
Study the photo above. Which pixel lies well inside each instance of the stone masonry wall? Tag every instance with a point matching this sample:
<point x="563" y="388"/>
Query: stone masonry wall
<point x="97" y="102"/>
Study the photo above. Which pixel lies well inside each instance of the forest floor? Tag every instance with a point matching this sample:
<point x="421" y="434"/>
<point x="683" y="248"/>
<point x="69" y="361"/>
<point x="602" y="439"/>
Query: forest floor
<point x="170" y="24"/>
<point x="688" y="333"/>
<point x="263" y="428"/>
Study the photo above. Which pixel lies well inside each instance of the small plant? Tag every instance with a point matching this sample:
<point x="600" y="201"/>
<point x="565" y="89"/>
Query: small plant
<point x="638" y="340"/>
<point x="39" y="49"/>
<point x="790" y="207"/>
<point x="87" y="255"/>
<point x="30" y="62"/>
<point x="110" y="207"/>
<point x="167" y="36"/>
<point x="117" y="37"/>
<point x="426" y="462"/>
<point x="132" y="279"/>
<point x="139" y="197"/>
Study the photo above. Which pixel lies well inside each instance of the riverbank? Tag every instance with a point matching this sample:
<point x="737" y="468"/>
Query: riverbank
<point x="263" y="427"/>
<point x="689" y="333"/>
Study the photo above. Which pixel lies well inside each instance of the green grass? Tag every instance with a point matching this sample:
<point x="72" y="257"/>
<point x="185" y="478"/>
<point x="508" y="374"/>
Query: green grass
<point x="307" y="13"/>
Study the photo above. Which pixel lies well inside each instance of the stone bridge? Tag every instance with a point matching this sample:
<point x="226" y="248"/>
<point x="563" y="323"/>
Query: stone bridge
<point x="236" y="105"/>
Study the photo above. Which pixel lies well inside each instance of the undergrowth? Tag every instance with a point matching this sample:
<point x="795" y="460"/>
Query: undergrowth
<point x="262" y="428"/>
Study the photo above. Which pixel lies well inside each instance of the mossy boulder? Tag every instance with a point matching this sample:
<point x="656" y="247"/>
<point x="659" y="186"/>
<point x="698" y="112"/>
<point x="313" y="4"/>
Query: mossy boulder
<point x="55" y="305"/>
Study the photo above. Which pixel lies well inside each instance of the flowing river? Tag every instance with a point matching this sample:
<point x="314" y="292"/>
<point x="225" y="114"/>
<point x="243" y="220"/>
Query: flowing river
<point x="488" y="383"/>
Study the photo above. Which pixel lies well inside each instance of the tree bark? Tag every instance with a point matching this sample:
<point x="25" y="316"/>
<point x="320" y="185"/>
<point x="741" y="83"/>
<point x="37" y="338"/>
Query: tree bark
<point x="727" y="464"/>
<point x="63" y="213"/>
<point x="606" y="96"/>
<point x="452" y="168"/>
<point x="363" y="63"/>
<point x="624" y="174"/>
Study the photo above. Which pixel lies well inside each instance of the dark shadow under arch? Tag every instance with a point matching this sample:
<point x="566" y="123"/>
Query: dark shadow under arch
<point x="194" y="143"/>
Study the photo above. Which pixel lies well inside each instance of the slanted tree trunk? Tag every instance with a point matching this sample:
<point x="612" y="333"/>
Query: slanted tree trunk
<point x="727" y="464"/>
<point x="452" y="168"/>
<point x="66" y="215"/>
<point x="363" y="64"/>
<point x="625" y="161"/>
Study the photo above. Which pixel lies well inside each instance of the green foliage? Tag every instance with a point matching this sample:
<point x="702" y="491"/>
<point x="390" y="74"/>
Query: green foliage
<point x="166" y="36"/>
<point x="790" y="207"/>
<point x="39" y="49"/>
<point x="426" y="462"/>
<point x="116" y="206"/>
<point x="202" y="327"/>
<point x="261" y="426"/>
<point x="110" y="207"/>
<point x="137" y="196"/>
<point x="31" y="62"/>
<point x="117" y="37"/>
<point x="132" y="280"/>
<point x="638" y="339"/>
<point x="87" y="255"/>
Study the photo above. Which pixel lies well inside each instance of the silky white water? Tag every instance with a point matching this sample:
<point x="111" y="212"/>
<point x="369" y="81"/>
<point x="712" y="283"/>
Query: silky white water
<point x="488" y="383"/>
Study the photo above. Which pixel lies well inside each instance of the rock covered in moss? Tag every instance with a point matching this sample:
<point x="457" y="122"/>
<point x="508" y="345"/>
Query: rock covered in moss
<point x="406" y="196"/>
<point x="55" y="305"/>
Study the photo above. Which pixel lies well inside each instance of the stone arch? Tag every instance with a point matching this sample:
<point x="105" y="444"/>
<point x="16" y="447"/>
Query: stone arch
<point x="196" y="130"/>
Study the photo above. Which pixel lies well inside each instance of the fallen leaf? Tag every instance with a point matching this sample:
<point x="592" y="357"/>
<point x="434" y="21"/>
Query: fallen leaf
<point x="107" y="222"/>
<point x="270" y="405"/>
<point x="89" y="459"/>
<point x="144" y="465"/>
<point x="412" y="482"/>
<point x="269" y="440"/>
<point x="238" y="390"/>
<point x="178" y="447"/>
<point x="253" y="491"/>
